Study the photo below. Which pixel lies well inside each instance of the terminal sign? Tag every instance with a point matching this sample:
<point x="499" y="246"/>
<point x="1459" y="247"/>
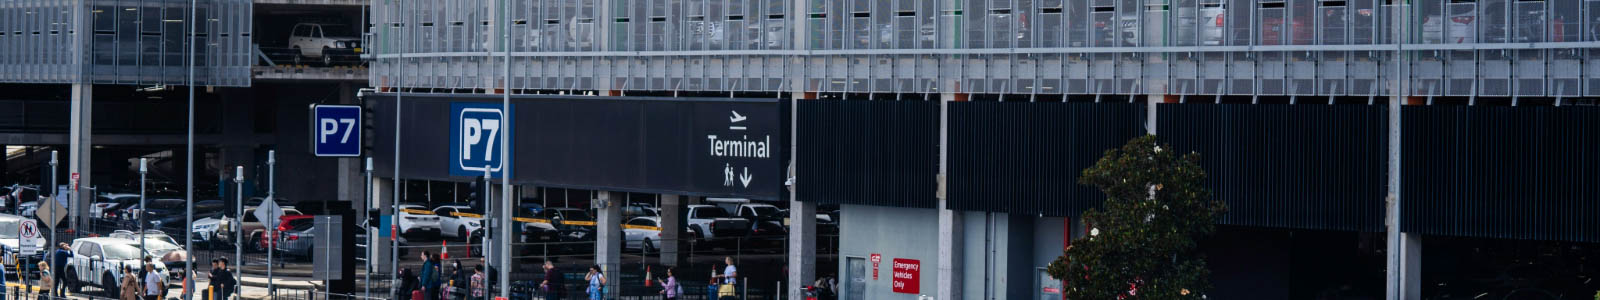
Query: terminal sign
<point x="906" y="273"/>
<point x="476" y="131"/>
<point x="338" y="130"/>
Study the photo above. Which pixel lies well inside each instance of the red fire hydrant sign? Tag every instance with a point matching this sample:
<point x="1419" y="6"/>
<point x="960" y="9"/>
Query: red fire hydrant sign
<point x="906" y="276"/>
<point x="875" y="260"/>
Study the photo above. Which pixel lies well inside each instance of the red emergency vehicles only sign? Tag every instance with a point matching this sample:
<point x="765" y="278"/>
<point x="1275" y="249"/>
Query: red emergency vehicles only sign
<point x="906" y="273"/>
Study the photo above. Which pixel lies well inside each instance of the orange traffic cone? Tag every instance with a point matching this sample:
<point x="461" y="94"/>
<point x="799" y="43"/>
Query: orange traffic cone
<point x="444" y="249"/>
<point x="647" y="276"/>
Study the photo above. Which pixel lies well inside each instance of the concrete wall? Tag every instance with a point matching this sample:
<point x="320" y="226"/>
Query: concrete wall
<point x="905" y="233"/>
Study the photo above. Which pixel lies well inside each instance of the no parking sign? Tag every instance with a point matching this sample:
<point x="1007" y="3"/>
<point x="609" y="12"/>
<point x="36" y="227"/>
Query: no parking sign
<point x="28" y="230"/>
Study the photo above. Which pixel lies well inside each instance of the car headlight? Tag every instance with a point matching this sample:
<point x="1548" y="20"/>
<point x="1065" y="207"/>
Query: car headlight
<point x="338" y="44"/>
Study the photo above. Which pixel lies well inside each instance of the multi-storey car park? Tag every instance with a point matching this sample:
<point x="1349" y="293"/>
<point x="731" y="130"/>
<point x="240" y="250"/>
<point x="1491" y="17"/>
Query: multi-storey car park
<point x="1365" y="148"/>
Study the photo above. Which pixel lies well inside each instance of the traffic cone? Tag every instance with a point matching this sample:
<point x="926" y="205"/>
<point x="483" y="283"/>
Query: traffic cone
<point x="647" y="276"/>
<point x="444" y="249"/>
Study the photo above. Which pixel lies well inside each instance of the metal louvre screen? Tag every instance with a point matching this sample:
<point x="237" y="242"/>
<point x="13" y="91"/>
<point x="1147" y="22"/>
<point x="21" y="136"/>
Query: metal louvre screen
<point x="1501" y="172"/>
<point x="1025" y="158"/>
<point x="1287" y="166"/>
<point x="882" y="153"/>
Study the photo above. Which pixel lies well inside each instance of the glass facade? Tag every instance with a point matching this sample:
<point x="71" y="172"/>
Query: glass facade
<point x="139" y="42"/>
<point x="1199" y="47"/>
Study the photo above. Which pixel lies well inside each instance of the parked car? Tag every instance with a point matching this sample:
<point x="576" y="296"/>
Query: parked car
<point x="458" y="221"/>
<point x="322" y="42"/>
<point x="297" y="240"/>
<point x="285" y="223"/>
<point x="98" y="261"/>
<point x="765" y="219"/>
<point x="710" y="221"/>
<point x="213" y="232"/>
<point x="417" y="219"/>
<point x="642" y="233"/>
<point x="10" y="237"/>
<point x="160" y="245"/>
<point x="105" y="205"/>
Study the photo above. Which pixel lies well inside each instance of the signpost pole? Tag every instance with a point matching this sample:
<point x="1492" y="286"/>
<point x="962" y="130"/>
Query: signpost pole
<point x="50" y="203"/>
<point x="488" y="206"/>
<point x="238" y="182"/>
<point x="272" y="243"/>
<point x="236" y="226"/>
<point x="367" y="204"/>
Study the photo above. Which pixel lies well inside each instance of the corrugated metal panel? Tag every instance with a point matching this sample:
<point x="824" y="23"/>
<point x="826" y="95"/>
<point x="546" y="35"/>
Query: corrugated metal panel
<point x="1288" y="166"/>
<point x="1502" y="172"/>
<point x="868" y="152"/>
<point x="1025" y="158"/>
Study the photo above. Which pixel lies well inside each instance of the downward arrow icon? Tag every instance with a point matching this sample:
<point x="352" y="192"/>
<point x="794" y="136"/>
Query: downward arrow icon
<point x="745" y="178"/>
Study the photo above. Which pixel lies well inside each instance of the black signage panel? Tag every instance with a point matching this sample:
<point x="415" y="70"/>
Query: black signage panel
<point x="712" y="147"/>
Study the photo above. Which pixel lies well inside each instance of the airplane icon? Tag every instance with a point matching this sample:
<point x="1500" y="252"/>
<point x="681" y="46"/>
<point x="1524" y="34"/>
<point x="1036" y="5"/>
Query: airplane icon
<point x="736" y="118"/>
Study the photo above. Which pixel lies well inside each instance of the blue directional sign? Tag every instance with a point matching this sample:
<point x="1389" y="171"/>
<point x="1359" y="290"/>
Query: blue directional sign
<point x="476" y="129"/>
<point x="337" y="130"/>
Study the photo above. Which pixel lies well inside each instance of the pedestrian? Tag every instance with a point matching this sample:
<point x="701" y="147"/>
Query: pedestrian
<point x="669" y="287"/>
<point x="153" y="286"/>
<point x="44" y="276"/>
<point x="130" y="284"/>
<point x="58" y="286"/>
<point x="597" y="283"/>
<point x="430" y="276"/>
<point x="552" y="285"/>
<point x="222" y="281"/>
<point x="477" y="282"/>
<point x="729" y="279"/>
<point x="408" y="283"/>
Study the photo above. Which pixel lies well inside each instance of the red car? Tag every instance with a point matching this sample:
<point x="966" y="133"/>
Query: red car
<point x="284" y="224"/>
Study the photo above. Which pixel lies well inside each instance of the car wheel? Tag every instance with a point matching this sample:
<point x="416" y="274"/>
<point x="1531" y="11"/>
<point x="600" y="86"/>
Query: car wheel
<point x="327" y="60"/>
<point x="110" y="285"/>
<point x="255" y="243"/>
<point x="648" y="246"/>
<point x="72" y="281"/>
<point x="461" y="233"/>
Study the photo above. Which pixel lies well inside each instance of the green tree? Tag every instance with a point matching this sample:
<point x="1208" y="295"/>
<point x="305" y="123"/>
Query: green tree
<point x="1142" y="245"/>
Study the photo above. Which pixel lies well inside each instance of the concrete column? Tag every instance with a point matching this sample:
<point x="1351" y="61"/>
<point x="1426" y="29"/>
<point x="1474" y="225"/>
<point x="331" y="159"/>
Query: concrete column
<point x="349" y="173"/>
<point x="1150" y="112"/>
<point x="383" y="200"/>
<point x="672" y="224"/>
<point x="950" y="239"/>
<point x="608" y="237"/>
<point x="78" y="152"/>
<point x="802" y="246"/>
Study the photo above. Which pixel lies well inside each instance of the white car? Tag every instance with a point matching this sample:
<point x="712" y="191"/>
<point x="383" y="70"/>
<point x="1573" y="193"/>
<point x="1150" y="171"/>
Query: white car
<point x="98" y="210"/>
<point x="98" y="261"/>
<point x="318" y="41"/>
<point x="642" y="233"/>
<point x="10" y="237"/>
<point x="458" y="221"/>
<point x="213" y="231"/>
<point x="160" y="245"/>
<point x="711" y="221"/>
<point x="416" y="218"/>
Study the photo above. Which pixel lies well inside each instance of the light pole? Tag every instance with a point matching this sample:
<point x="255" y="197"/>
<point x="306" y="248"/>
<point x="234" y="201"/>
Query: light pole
<point x="188" y="241"/>
<point x="142" y="171"/>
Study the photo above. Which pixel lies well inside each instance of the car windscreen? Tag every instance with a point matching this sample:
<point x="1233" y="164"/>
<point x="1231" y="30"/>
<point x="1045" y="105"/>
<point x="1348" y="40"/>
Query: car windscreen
<point x="8" y="229"/>
<point x="167" y="204"/>
<point x="576" y="215"/>
<point x="120" y="252"/>
<point x="710" y="212"/>
<point x="766" y="211"/>
<point x="336" y="31"/>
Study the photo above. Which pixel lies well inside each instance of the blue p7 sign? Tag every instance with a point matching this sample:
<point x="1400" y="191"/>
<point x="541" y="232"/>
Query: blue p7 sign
<point x="337" y="130"/>
<point x="476" y="129"/>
